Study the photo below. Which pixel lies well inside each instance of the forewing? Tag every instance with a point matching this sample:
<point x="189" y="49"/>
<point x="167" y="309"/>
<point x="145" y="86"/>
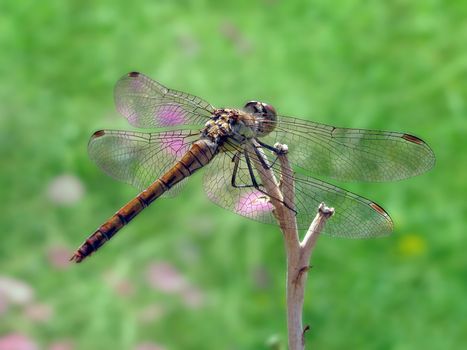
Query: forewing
<point x="148" y="104"/>
<point x="355" y="216"/>
<point x="139" y="158"/>
<point x="352" y="154"/>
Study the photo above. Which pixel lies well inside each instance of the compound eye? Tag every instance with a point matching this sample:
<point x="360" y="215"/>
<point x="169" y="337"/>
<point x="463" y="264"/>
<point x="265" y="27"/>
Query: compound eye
<point x="260" y="108"/>
<point x="253" y="107"/>
<point x="269" y="110"/>
<point x="266" y="116"/>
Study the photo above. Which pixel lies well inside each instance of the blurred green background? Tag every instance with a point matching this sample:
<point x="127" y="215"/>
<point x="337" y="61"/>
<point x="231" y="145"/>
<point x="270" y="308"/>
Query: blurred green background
<point x="187" y="274"/>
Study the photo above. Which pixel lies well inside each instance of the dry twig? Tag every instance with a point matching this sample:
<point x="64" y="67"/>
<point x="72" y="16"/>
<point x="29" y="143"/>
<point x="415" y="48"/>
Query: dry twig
<point x="298" y="252"/>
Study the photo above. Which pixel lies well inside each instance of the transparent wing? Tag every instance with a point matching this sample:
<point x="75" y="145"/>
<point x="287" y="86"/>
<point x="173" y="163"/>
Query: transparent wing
<point x="351" y="154"/>
<point x="246" y="201"/>
<point x="139" y="158"/>
<point x="355" y="217"/>
<point x="148" y="104"/>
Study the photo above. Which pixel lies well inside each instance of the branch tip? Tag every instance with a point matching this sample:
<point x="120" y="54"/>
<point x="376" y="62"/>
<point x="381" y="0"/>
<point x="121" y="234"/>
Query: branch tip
<point x="283" y="149"/>
<point x="325" y="211"/>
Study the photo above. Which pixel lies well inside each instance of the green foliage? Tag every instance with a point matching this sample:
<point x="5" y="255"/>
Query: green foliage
<point x="399" y="65"/>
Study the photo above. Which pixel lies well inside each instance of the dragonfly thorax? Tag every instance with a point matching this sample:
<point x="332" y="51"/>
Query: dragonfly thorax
<point x="257" y="119"/>
<point x="236" y="125"/>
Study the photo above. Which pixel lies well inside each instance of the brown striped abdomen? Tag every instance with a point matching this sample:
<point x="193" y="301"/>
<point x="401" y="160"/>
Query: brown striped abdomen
<point x="199" y="154"/>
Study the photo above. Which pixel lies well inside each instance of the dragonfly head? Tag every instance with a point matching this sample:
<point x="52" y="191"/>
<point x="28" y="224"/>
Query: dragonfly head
<point x="265" y="116"/>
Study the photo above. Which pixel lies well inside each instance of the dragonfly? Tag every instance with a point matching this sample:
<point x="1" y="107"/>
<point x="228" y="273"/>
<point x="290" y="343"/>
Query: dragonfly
<point x="232" y="144"/>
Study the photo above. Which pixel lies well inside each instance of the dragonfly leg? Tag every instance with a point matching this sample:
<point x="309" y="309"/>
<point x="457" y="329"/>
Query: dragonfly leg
<point x="250" y="169"/>
<point x="236" y="160"/>
<point x="266" y="166"/>
<point x="261" y="159"/>
<point x="276" y="150"/>
<point x="263" y="162"/>
<point x="254" y="183"/>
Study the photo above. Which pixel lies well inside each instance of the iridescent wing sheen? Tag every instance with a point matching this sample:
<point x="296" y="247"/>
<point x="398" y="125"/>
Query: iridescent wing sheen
<point x="248" y="202"/>
<point x="355" y="216"/>
<point x="148" y="104"/>
<point x="139" y="158"/>
<point x="351" y="154"/>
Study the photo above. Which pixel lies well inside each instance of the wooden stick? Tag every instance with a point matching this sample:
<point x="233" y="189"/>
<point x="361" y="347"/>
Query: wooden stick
<point x="298" y="252"/>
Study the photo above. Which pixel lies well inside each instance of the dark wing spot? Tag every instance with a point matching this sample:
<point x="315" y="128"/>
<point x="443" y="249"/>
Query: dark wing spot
<point x="380" y="210"/>
<point x="413" y="139"/>
<point x="133" y="74"/>
<point x="98" y="133"/>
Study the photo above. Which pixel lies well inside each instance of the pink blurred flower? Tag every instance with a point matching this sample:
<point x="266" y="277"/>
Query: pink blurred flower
<point x="16" y="341"/>
<point x="38" y="312"/>
<point x="15" y="291"/>
<point x="59" y="257"/>
<point x="62" y="345"/>
<point x="253" y="203"/>
<point x="165" y="278"/>
<point x="149" y="346"/>
<point x="65" y="190"/>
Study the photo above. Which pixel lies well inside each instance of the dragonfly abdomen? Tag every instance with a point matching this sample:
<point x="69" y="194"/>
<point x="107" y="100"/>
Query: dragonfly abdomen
<point x="107" y="230"/>
<point x="199" y="154"/>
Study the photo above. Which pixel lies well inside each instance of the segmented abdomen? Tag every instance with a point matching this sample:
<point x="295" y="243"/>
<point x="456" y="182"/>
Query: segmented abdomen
<point x="199" y="154"/>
